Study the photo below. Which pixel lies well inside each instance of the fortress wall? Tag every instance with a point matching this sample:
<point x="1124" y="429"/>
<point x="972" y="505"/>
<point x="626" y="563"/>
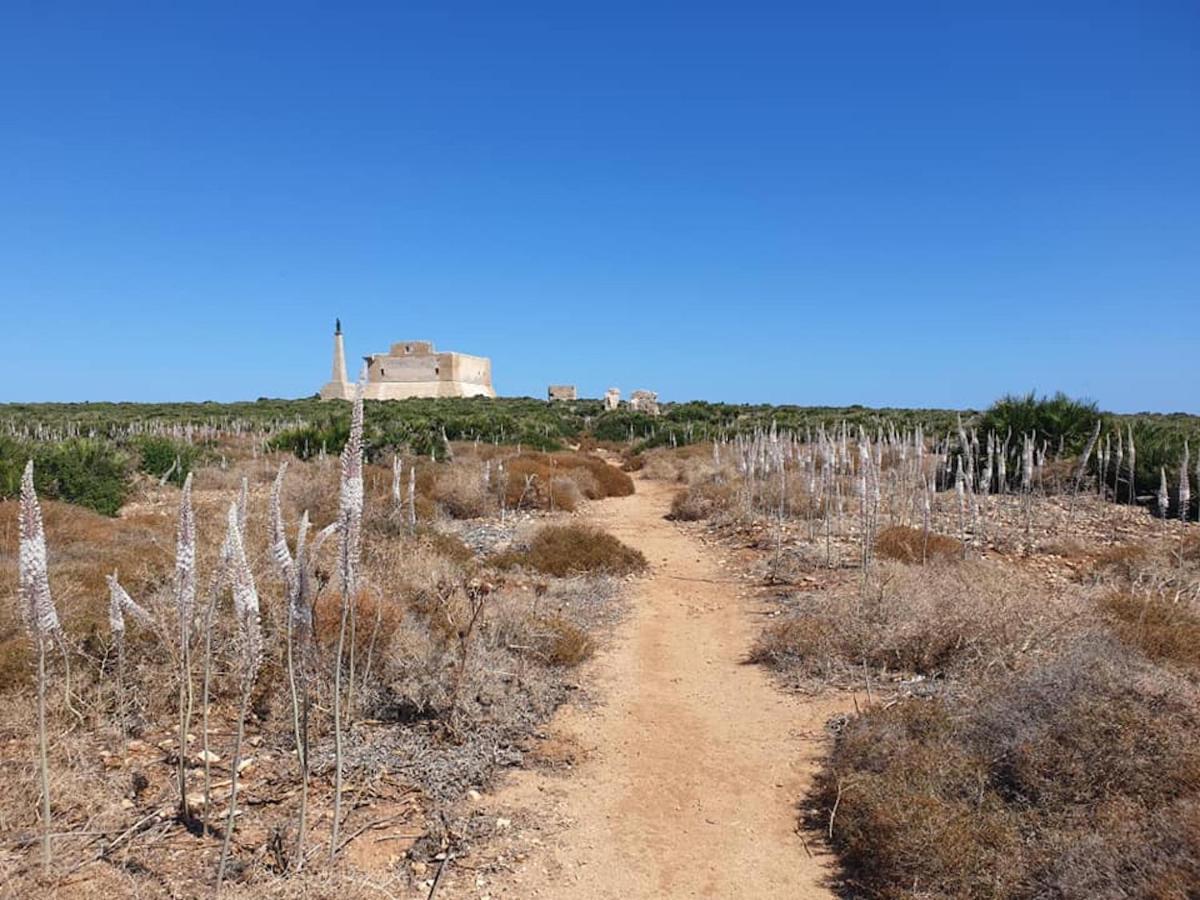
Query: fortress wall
<point x="460" y="367"/>
<point x="386" y="369"/>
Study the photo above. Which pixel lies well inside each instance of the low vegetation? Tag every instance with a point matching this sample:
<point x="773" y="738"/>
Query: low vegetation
<point x="1077" y="777"/>
<point x="217" y="660"/>
<point x="565" y="550"/>
<point x="1022" y="648"/>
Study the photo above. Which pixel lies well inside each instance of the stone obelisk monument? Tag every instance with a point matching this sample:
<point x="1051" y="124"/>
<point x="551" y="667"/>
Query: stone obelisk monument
<point x="338" y="387"/>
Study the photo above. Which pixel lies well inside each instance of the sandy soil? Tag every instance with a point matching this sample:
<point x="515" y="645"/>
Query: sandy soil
<point x="689" y="769"/>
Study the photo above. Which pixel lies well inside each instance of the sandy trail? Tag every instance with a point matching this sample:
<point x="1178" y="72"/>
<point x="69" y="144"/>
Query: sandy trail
<point x="693" y="762"/>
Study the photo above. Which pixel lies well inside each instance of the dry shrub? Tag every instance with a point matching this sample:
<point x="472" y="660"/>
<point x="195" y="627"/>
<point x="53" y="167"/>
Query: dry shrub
<point x="586" y="482"/>
<point x="459" y="490"/>
<point x="1120" y="560"/>
<point x="375" y="615"/>
<point x="565" y="494"/>
<point x="600" y="481"/>
<point x="564" y="550"/>
<point x="448" y="546"/>
<point x="550" y="639"/>
<point x="703" y="500"/>
<point x="313" y="487"/>
<point x="925" y="619"/>
<point x="1165" y="630"/>
<point x="1067" y="548"/>
<point x="83" y="547"/>
<point x="913" y="545"/>
<point x="658" y="465"/>
<point x="562" y="642"/>
<point x="1077" y="778"/>
<point x="1190" y="548"/>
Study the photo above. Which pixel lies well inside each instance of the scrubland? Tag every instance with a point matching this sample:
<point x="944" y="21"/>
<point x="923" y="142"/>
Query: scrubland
<point x="1012" y="596"/>
<point x="1023" y="644"/>
<point x="474" y="592"/>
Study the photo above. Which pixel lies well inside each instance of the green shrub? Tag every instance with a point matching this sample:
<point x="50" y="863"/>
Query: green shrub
<point x="1058" y="419"/>
<point x="90" y="472"/>
<point x="158" y="456"/>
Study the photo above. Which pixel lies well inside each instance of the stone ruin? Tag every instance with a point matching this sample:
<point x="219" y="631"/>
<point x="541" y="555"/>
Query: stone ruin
<point x="561" y="392"/>
<point x="644" y="402"/>
<point x="411" y="369"/>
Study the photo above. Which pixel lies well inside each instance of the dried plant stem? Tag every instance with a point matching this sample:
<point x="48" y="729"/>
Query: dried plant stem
<point x="43" y="754"/>
<point x="185" y="712"/>
<point x="204" y="696"/>
<point x="122" y="716"/>
<point x="247" y="684"/>
<point x="353" y="625"/>
<point x="300" y="730"/>
<point x="337" y="730"/>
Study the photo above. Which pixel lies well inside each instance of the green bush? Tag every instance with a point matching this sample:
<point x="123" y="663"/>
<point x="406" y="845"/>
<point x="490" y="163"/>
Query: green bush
<point x="158" y="455"/>
<point x="90" y="472"/>
<point x="1060" y="420"/>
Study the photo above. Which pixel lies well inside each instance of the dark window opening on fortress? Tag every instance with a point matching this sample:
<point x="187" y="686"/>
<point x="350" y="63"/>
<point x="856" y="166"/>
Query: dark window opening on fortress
<point x="435" y="370"/>
<point x="408" y="348"/>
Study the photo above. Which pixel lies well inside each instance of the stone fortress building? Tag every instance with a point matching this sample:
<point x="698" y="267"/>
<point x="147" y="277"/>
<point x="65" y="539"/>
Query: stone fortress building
<point x="411" y="369"/>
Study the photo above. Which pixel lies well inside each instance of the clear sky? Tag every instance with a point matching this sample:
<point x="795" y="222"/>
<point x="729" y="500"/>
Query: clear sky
<point x="900" y="203"/>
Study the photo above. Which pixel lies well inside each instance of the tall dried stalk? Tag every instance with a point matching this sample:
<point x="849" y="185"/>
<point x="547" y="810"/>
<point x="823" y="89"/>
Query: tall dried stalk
<point x="1132" y="468"/>
<point x="119" y="604"/>
<point x="298" y="616"/>
<point x="250" y="652"/>
<point x="1185" y="489"/>
<point x="1081" y="470"/>
<point x="41" y="624"/>
<point x="350" y="522"/>
<point x="185" y="598"/>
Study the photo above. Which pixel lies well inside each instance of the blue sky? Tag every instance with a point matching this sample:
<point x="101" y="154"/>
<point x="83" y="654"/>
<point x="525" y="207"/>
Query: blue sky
<point x="913" y="204"/>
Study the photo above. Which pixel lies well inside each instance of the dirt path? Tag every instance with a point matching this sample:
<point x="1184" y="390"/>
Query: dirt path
<point x="692" y="764"/>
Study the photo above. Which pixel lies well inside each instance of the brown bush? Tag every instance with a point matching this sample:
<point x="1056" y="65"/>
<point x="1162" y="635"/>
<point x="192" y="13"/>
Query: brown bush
<point x="564" y="550"/>
<point x="913" y="545"/>
<point x="1165" y="630"/>
<point x="659" y="465"/>
<point x="459" y="490"/>
<point x="1078" y="778"/>
<point x="565" y="495"/>
<point x="375" y="616"/>
<point x="587" y="483"/>
<point x="702" y="501"/>
<point x="553" y="640"/>
<point x="595" y="477"/>
<point x="1120" y="560"/>
<point x="923" y="619"/>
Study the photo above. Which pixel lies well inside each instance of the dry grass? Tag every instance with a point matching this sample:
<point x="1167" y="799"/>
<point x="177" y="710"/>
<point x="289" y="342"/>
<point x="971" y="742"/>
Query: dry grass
<point x="929" y="620"/>
<point x="561" y="480"/>
<point x="1121" y="561"/>
<point x="702" y="501"/>
<point x="409" y="644"/>
<point x="1165" y="630"/>
<point x="460" y="491"/>
<point x="566" y="550"/>
<point x="914" y="546"/>
<point x="1078" y="778"/>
